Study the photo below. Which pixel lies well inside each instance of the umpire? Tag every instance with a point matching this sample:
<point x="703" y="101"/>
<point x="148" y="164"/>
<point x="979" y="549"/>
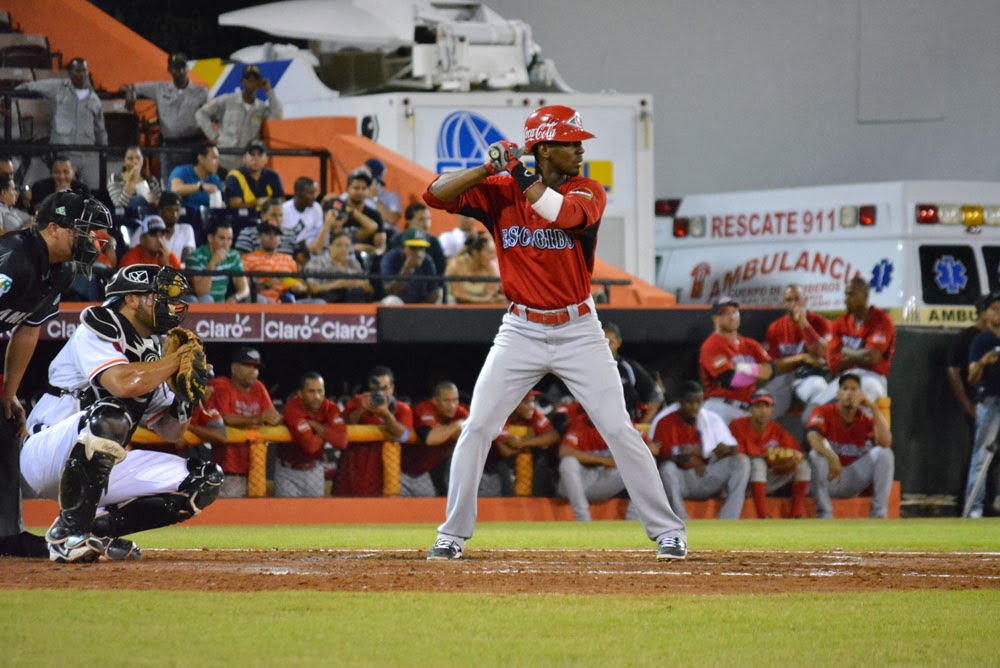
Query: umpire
<point x="36" y="264"/>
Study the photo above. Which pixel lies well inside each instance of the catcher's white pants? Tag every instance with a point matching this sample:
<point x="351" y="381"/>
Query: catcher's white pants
<point x="577" y="353"/>
<point x="141" y="473"/>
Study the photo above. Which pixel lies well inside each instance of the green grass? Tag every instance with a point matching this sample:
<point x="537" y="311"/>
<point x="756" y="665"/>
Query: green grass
<point x="934" y="535"/>
<point x="300" y="628"/>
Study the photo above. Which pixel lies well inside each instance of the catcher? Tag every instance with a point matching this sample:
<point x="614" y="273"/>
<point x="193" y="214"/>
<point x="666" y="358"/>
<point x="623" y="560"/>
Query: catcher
<point x="108" y="379"/>
<point x="776" y="458"/>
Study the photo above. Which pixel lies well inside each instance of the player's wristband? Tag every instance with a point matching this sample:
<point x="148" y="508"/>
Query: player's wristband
<point x="523" y="179"/>
<point x="548" y="205"/>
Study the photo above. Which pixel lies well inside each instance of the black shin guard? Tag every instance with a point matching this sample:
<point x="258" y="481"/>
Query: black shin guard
<point x="80" y="488"/>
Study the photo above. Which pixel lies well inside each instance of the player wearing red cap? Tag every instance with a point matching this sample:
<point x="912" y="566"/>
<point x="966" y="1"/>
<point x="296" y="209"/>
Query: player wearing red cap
<point x="545" y="227"/>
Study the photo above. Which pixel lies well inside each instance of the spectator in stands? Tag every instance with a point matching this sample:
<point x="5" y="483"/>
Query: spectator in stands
<point x="453" y="241"/>
<point x="179" y="236"/>
<point x="437" y="422"/>
<point x="360" y="470"/>
<point x="411" y="260"/>
<point x="268" y="258"/>
<point x="340" y="259"/>
<point x="418" y="214"/>
<point x="318" y="430"/>
<point x="153" y="247"/>
<point x="798" y="339"/>
<point x="697" y="455"/>
<point x="478" y="260"/>
<point x="303" y="216"/>
<point x="176" y="103"/>
<point x="273" y="213"/>
<point x="198" y="183"/>
<point x="22" y="197"/>
<point x="253" y="183"/>
<point x="542" y="435"/>
<point x="587" y="471"/>
<point x="234" y="120"/>
<point x="132" y="189"/>
<point x="218" y="255"/>
<point x="77" y="116"/>
<point x="363" y="222"/>
<point x="850" y="450"/>
<point x="244" y="403"/>
<point x="776" y="459"/>
<point x="643" y="395"/>
<point x="9" y="221"/>
<point x="386" y="202"/>
<point x="731" y="365"/>
<point x="63" y="177"/>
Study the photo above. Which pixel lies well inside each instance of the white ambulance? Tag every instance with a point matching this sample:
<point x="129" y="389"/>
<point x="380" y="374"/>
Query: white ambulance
<point x="928" y="249"/>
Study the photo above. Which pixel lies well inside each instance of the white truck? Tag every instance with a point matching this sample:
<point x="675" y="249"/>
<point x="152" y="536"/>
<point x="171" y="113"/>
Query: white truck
<point x="928" y="249"/>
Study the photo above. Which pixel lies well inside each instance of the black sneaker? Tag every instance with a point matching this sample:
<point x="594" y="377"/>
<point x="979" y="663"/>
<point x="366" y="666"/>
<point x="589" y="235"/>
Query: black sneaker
<point x="672" y="547"/>
<point x="445" y="549"/>
<point x="24" y="544"/>
<point x="119" y="549"/>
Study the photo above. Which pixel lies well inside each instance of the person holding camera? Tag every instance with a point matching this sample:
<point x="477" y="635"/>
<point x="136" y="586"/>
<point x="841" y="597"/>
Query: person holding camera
<point x="360" y="470"/>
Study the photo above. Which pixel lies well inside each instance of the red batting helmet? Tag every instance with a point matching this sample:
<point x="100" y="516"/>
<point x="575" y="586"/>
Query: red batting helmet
<point x="554" y="123"/>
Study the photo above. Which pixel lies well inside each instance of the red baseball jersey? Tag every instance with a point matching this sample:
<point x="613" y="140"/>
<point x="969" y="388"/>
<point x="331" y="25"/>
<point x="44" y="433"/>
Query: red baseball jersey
<point x="359" y="472"/>
<point x="543" y="265"/>
<point x="582" y="435"/>
<point x="849" y="441"/>
<point x="719" y="355"/>
<point x="753" y="443"/>
<point x="419" y="458"/>
<point x="228" y="400"/>
<point x="308" y="445"/>
<point x="876" y="332"/>
<point x="677" y="438"/>
<point x="785" y="338"/>
<point x="538" y="423"/>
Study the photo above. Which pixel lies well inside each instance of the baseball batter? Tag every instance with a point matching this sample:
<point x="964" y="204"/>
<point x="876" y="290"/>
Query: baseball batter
<point x="545" y="227"/>
<point x="114" y="366"/>
<point x="36" y="264"/>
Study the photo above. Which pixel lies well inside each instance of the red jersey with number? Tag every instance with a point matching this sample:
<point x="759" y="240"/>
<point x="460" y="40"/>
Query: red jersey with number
<point x="582" y="435"/>
<point x="719" y="355"/>
<point x="677" y="438"/>
<point x="543" y="265"/>
<point x="234" y="458"/>
<point x="876" y="332"/>
<point x="307" y="445"/>
<point x="753" y="443"/>
<point x="784" y="338"/>
<point x="359" y="472"/>
<point x="419" y="458"/>
<point x="849" y="441"/>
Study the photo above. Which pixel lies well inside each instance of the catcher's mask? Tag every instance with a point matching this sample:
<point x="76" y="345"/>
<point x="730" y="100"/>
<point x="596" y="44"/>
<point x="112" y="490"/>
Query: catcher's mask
<point x="168" y="284"/>
<point x="86" y="216"/>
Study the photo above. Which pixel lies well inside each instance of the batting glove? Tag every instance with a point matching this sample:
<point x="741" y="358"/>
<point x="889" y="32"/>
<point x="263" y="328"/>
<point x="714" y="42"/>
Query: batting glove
<point x="502" y="157"/>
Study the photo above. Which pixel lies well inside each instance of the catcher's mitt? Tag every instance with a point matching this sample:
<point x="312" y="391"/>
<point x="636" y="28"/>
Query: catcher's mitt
<point x="190" y="381"/>
<point x="782" y="461"/>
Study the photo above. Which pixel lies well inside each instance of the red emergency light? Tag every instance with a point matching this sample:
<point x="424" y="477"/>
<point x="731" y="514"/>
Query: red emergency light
<point x="927" y="214"/>
<point x="666" y="207"/>
<point x="680" y="227"/>
<point x="866" y="216"/>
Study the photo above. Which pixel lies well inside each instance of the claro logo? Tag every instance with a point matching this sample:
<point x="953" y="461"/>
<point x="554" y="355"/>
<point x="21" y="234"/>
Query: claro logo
<point x="315" y="328"/>
<point x="240" y="327"/>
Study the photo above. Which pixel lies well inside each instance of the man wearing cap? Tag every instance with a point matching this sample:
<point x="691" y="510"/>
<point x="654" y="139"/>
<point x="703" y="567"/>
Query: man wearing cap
<point x="984" y="375"/>
<point x="355" y="216"/>
<point x="244" y="403"/>
<point x="267" y="258"/>
<point x="233" y="120"/>
<point x="419" y="215"/>
<point x="176" y="103"/>
<point x="36" y="263"/>
<point x="697" y="455"/>
<point x="153" y="247"/>
<point x="386" y="202"/>
<point x="731" y="364"/>
<point x="776" y="458"/>
<point x="411" y="259"/>
<point x="253" y="183"/>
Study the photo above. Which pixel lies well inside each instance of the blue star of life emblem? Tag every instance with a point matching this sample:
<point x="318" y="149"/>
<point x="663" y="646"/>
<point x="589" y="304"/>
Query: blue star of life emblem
<point x="881" y="275"/>
<point x="950" y="274"/>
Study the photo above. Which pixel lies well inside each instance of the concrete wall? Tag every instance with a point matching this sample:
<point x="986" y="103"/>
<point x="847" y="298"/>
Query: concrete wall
<point x="775" y="93"/>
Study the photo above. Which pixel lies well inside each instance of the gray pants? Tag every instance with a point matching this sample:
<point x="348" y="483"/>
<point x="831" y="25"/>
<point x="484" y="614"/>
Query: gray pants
<point x="581" y="484"/>
<point x="577" y="352"/>
<point x="421" y="486"/>
<point x="10" y="479"/>
<point x="299" y="483"/>
<point x="876" y="468"/>
<point x="233" y="487"/>
<point x="729" y="475"/>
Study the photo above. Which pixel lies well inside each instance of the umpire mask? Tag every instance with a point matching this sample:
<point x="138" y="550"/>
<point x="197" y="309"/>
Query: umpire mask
<point x="86" y="216"/>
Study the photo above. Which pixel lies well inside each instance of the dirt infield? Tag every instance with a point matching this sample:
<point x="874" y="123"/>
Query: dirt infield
<point x="517" y="572"/>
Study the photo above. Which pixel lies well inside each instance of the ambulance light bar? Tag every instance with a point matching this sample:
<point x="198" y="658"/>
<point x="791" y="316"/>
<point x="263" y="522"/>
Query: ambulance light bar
<point x="957" y="214"/>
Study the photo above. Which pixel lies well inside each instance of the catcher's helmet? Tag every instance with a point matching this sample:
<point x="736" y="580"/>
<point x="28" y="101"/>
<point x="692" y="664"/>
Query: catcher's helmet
<point x="86" y="215"/>
<point x="555" y="123"/>
<point x="168" y="284"/>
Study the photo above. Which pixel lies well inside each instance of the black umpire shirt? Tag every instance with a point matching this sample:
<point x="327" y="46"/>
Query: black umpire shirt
<point x="29" y="286"/>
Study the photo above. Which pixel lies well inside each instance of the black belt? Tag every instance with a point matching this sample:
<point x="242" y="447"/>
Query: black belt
<point x="60" y="392"/>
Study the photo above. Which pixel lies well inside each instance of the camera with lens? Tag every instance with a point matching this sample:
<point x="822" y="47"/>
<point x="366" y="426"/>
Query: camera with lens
<point x="378" y="397"/>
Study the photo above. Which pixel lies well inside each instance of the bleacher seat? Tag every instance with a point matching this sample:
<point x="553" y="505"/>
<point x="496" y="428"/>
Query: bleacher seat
<point x="122" y="125"/>
<point x="17" y="50"/>
<point x="49" y="73"/>
<point x="32" y="120"/>
<point x="12" y="76"/>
